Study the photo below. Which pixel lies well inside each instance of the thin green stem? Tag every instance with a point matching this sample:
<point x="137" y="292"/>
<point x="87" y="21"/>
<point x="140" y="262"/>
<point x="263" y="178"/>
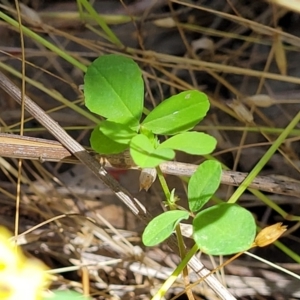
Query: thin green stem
<point x="168" y="283"/>
<point x="164" y="185"/>
<point x="55" y="95"/>
<point x="80" y="9"/>
<point x="293" y="255"/>
<point x="266" y="157"/>
<point x="273" y="205"/>
<point x="101" y="22"/>
<point x="42" y="41"/>
<point x="172" y="205"/>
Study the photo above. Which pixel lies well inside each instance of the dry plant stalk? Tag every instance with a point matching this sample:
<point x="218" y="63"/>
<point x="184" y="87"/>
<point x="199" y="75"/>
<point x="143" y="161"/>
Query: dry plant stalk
<point x="15" y="146"/>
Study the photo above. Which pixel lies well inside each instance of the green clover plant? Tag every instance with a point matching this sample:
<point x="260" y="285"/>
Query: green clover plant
<point x="114" y="89"/>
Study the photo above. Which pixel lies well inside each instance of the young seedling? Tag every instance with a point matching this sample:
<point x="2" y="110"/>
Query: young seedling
<point x="114" y="89"/>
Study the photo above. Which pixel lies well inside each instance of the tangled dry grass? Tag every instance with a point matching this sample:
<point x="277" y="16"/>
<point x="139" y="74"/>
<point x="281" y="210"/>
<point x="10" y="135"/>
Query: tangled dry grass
<point x="243" y="54"/>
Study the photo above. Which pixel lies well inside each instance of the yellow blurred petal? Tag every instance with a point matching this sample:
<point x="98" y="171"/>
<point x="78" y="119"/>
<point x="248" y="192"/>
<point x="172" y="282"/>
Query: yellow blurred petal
<point x="20" y="278"/>
<point x="10" y="256"/>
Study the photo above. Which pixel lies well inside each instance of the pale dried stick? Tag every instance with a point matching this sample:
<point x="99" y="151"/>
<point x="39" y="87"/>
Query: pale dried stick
<point x="16" y="146"/>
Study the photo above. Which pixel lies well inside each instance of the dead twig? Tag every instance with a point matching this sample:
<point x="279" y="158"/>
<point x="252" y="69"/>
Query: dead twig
<point x="16" y="146"/>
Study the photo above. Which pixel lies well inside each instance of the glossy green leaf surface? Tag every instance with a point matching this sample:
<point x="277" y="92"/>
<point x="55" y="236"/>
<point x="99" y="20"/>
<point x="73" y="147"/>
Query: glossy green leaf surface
<point x="192" y="142"/>
<point x="120" y="133"/>
<point x="224" y="229"/>
<point x="104" y="145"/>
<point x="145" y="155"/>
<point x="203" y="184"/>
<point x="114" y="88"/>
<point x="162" y="226"/>
<point x="178" y="113"/>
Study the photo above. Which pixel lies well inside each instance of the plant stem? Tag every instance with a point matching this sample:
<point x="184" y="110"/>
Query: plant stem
<point x="110" y="35"/>
<point x="42" y="41"/>
<point x="52" y="93"/>
<point x="164" y="185"/>
<point x="168" y="283"/>
<point x="180" y="241"/>
<point x="266" y="157"/>
<point x="211" y="272"/>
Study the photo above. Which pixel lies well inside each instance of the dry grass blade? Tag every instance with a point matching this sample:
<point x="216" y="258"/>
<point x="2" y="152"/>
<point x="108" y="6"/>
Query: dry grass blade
<point x="240" y="53"/>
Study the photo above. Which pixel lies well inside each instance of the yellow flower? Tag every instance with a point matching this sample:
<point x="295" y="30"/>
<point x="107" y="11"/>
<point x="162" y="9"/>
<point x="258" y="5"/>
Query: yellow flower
<point x="20" y="278"/>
